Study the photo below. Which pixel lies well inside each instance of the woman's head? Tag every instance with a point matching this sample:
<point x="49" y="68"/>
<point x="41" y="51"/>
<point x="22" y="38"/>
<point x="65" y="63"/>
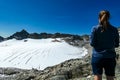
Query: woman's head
<point x="104" y="17"/>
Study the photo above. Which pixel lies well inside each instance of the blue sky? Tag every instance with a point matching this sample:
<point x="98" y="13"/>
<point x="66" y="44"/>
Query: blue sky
<point x="51" y="16"/>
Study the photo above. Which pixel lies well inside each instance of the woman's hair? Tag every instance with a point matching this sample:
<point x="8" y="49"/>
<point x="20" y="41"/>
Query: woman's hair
<point x="104" y="18"/>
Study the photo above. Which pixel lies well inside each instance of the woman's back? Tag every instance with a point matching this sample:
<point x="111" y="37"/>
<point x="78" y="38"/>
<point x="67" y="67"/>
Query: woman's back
<point x="106" y="39"/>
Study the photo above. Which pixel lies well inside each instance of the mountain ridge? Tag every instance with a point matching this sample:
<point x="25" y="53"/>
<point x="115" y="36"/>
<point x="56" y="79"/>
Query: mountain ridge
<point x="23" y="34"/>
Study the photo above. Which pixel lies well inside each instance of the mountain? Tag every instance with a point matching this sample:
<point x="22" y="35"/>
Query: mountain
<point x="1" y="39"/>
<point x="23" y="34"/>
<point x="37" y="53"/>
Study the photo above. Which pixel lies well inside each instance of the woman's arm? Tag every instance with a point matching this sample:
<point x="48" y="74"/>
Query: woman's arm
<point x="93" y="37"/>
<point x="117" y="39"/>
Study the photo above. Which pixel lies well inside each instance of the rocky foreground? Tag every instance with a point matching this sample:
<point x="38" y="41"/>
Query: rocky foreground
<point x="74" y="69"/>
<point x="70" y="69"/>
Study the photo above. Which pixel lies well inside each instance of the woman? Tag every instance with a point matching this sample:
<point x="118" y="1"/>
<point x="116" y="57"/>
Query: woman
<point x="104" y="39"/>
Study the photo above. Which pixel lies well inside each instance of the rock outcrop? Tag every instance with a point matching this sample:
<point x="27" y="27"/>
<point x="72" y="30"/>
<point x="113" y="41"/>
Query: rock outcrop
<point x="70" y="69"/>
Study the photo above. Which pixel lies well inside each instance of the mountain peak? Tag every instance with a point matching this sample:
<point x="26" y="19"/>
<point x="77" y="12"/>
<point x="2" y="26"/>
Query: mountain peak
<point x="20" y="35"/>
<point x="23" y="31"/>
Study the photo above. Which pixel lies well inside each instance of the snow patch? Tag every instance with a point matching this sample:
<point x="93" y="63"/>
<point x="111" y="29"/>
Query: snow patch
<point x="37" y="53"/>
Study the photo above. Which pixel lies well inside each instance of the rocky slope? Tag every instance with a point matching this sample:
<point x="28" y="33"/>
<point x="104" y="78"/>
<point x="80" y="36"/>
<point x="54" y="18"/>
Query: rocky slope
<point x="67" y="70"/>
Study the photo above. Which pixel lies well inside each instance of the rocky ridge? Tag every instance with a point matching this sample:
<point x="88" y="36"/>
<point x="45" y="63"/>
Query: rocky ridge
<point x="23" y="34"/>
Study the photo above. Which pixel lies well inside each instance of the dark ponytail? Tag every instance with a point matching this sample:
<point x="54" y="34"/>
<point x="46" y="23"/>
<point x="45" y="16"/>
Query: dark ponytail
<point x="104" y="19"/>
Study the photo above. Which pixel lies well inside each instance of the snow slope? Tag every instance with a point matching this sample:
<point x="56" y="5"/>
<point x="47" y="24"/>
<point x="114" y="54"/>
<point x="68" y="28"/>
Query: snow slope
<point x="37" y="53"/>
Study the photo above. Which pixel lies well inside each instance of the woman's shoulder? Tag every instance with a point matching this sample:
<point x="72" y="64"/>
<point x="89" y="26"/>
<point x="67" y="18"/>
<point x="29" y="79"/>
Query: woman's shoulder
<point x="96" y="27"/>
<point x="113" y="28"/>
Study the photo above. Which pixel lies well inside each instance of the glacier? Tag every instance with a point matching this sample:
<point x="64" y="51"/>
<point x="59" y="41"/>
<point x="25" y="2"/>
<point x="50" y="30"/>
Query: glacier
<point x="37" y="53"/>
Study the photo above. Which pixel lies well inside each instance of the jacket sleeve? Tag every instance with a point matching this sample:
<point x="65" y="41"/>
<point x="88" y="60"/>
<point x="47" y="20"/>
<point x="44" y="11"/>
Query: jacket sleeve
<point x="93" y="37"/>
<point x="117" y="39"/>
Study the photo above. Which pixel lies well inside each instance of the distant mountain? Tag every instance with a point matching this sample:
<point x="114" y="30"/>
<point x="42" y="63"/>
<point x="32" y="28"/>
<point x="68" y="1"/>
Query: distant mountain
<point x="23" y="34"/>
<point x="40" y="36"/>
<point x="1" y="38"/>
<point x="19" y="35"/>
